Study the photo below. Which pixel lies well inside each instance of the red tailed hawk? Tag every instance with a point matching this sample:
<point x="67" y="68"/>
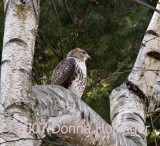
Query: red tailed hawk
<point x="71" y="72"/>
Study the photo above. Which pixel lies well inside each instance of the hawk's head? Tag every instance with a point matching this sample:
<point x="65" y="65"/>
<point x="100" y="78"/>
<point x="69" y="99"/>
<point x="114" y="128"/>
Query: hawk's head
<point x="79" y="54"/>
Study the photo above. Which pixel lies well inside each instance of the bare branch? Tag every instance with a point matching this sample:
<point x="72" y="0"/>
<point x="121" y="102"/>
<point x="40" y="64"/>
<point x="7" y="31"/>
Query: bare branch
<point x="144" y="44"/>
<point x="59" y="29"/>
<point x="147" y="5"/>
<point x="48" y="44"/>
<point x="90" y="4"/>
<point x="93" y="49"/>
<point x="69" y="12"/>
<point x="39" y="71"/>
<point x="153" y="130"/>
<point x="118" y="72"/>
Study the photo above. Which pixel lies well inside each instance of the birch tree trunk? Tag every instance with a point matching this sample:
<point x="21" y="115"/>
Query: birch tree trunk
<point x="21" y="22"/>
<point x="139" y="95"/>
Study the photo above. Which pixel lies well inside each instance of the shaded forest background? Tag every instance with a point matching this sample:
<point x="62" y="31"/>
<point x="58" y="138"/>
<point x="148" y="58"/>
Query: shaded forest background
<point x="110" y="31"/>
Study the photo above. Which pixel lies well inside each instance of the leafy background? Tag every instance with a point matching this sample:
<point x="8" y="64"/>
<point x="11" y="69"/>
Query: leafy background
<point x="110" y="31"/>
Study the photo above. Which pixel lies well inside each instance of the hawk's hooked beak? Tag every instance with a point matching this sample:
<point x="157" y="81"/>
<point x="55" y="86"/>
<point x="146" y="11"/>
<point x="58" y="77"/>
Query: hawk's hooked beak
<point x="88" y="57"/>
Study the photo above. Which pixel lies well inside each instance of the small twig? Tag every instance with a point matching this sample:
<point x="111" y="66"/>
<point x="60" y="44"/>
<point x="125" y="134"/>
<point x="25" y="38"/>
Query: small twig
<point x="156" y="119"/>
<point x="59" y="29"/>
<point x="144" y="44"/>
<point x="8" y="115"/>
<point x="147" y="5"/>
<point x="99" y="38"/>
<point x="19" y="139"/>
<point x="117" y="72"/>
<point x="154" y="122"/>
<point x="34" y="77"/>
<point x="71" y="3"/>
<point x="69" y="12"/>
<point x="48" y="44"/>
<point x="11" y="116"/>
<point x="90" y="4"/>
<point x="38" y="70"/>
<point x="45" y="140"/>
<point x="128" y="59"/>
<point x="153" y="131"/>
<point x="151" y="39"/>
<point x="144" y="69"/>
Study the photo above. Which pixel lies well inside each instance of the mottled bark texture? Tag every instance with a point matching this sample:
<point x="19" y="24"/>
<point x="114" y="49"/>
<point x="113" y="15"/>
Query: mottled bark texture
<point x="57" y="106"/>
<point x="21" y="22"/>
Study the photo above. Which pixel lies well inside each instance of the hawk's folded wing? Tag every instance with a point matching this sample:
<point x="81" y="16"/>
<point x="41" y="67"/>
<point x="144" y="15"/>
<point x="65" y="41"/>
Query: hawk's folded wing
<point x="64" y="70"/>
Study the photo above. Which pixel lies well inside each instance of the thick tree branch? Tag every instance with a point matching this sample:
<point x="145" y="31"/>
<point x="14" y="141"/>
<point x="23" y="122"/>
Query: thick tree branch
<point x="56" y="106"/>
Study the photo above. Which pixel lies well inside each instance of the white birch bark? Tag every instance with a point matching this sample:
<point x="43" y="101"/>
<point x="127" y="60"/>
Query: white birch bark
<point x="139" y="95"/>
<point x="62" y="110"/>
<point x="145" y="72"/>
<point x="21" y="22"/>
<point x="56" y="105"/>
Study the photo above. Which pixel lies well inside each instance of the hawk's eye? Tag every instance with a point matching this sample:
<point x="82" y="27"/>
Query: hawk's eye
<point x="84" y="52"/>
